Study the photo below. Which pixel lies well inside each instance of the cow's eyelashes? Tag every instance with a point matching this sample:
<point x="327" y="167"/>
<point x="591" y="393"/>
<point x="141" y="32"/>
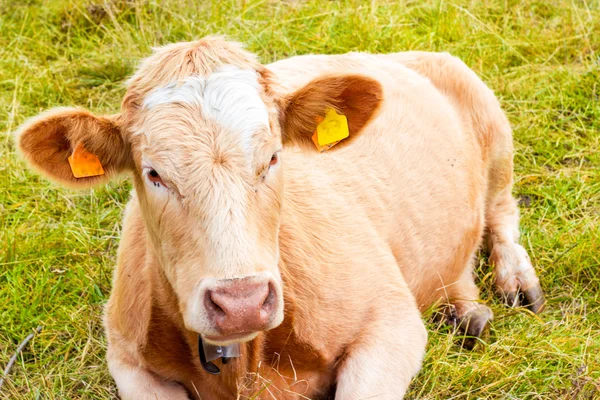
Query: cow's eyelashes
<point x="155" y="178"/>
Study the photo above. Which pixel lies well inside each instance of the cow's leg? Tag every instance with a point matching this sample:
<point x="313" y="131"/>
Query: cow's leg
<point x="516" y="280"/>
<point x="384" y="358"/>
<point x="464" y="310"/>
<point x="134" y="382"/>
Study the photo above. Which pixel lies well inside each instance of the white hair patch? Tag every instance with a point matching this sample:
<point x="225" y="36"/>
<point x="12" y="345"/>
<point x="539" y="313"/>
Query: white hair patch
<point x="229" y="96"/>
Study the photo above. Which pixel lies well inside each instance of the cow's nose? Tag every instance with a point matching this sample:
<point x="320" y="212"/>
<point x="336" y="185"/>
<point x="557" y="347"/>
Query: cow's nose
<point x="242" y="307"/>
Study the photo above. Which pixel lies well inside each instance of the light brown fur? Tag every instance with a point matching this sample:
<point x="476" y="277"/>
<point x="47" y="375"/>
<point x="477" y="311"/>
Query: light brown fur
<point x="384" y="225"/>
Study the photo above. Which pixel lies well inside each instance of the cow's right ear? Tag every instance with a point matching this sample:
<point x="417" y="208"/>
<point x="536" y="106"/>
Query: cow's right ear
<point x="48" y="140"/>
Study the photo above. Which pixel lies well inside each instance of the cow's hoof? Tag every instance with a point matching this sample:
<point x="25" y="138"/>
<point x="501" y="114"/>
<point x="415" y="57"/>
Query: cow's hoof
<point x="473" y="324"/>
<point x="532" y="298"/>
<point x="516" y="280"/>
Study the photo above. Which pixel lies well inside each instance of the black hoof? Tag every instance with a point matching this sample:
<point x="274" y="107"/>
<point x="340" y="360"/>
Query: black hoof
<point x="512" y="299"/>
<point x="532" y="298"/>
<point x="474" y="324"/>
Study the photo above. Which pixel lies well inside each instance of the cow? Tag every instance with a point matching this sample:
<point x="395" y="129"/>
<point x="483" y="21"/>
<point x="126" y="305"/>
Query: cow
<point x="315" y="262"/>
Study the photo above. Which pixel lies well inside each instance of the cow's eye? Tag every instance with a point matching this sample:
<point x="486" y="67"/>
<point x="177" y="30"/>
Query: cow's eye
<point x="274" y="159"/>
<point x="155" y="178"/>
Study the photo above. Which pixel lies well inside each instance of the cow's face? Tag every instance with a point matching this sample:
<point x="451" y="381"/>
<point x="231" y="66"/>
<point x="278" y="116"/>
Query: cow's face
<point x="210" y="184"/>
<point x="205" y="153"/>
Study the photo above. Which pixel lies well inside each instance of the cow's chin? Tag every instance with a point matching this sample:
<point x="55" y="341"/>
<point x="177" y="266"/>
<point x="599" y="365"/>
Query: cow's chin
<point x="226" y="340"/>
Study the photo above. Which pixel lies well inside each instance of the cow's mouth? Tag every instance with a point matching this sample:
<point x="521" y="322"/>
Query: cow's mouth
<point x="225" y="340"/>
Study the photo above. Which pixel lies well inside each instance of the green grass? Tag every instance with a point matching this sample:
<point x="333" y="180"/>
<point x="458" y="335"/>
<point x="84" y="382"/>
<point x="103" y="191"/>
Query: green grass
<point x="57" y="247"/>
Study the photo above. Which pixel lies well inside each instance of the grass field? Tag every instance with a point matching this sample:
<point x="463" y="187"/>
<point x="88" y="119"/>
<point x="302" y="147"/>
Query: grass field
<point x="57" y="247"/>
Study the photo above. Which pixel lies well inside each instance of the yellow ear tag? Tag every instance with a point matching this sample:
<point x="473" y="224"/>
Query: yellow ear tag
<point x="84" y="164"/>
<point x="330" y="130"/>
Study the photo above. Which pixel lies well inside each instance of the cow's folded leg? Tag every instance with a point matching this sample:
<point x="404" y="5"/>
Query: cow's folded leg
<point x="470" y="318"/>
<point x="137" y="383"/>
<point x="465" y="311"/>
<point x="383" y="360"/>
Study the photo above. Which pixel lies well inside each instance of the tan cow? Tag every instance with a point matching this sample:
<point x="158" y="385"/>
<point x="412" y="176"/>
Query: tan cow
<point x="317" y="263"/>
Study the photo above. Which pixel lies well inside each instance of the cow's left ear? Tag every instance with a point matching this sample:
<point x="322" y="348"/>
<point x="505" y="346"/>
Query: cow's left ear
<point x="355" y="96"/>
<point x="48" y="140"/>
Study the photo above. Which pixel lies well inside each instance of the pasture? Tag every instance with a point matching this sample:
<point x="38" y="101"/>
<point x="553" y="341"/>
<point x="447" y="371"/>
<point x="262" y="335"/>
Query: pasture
<point x="542" y="59"/>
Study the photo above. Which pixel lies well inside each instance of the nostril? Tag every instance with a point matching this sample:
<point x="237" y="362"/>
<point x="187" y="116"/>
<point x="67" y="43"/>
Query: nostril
<point x="269" y="299"/>
<point x="211" y="304"/>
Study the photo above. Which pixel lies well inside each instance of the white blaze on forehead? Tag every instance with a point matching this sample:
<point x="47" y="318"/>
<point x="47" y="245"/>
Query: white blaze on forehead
<point x="230" y="96"/>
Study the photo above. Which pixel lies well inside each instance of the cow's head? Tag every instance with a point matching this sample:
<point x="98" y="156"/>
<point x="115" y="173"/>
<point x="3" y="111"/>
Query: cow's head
<point x="201" y="130"/>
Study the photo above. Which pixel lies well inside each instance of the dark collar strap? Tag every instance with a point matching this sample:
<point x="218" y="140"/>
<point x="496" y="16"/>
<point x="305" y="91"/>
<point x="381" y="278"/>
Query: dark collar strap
<point x="209" y="366"/>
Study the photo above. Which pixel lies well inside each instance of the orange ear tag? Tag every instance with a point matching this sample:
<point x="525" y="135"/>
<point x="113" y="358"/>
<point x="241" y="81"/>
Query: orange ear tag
<point x="84" y="164"/>
<point x="330" y="130"/>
